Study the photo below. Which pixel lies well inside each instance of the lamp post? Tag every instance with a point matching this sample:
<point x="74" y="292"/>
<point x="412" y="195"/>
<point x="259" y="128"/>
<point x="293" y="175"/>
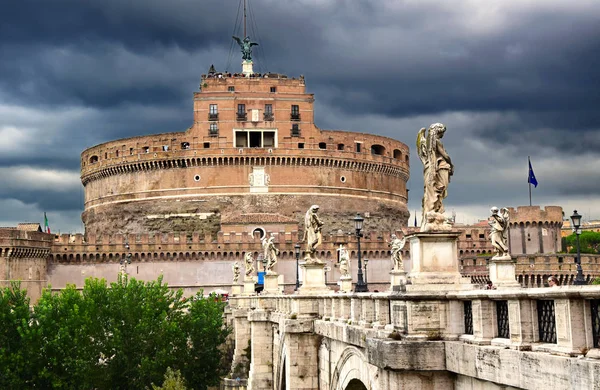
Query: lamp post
<point x="127" y="260"/>
<point x="297" y="250"/>
<point x="361" y="286"/>
<point x="366" y="273"/>
<point x="576" y="220"/>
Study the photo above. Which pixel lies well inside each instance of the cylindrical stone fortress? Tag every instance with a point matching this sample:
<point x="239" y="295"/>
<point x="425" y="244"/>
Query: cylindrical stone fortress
<point x="253" y="148"/>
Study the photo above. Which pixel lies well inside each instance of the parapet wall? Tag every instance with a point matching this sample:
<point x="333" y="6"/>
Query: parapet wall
<point x="536" y="214"/>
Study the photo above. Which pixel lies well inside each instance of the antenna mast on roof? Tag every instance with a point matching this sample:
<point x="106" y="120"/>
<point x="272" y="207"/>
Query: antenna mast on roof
<point x="245" y="34"/>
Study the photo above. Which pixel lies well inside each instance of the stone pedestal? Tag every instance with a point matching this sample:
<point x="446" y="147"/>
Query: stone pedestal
<point x="346" y="284"/>
<point x="435" y="262"/>
<point x="247" y="68"/>
<point x="314" y="278"/>
<point x="502" y="272"/>
<point x="397" y="278"/>
<point x="249" y="287"/>
<point x="236" y="289"/>
<point x="271" y="283"/>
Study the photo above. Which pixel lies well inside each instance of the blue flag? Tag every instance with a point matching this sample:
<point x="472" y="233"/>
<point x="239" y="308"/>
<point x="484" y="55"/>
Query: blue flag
<point x="532" y="179"/>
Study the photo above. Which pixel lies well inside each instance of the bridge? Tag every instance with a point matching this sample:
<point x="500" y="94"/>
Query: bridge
<point x="435" y="331"/>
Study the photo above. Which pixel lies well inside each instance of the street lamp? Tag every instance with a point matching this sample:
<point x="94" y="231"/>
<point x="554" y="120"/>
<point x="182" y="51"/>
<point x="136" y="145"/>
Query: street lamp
<point x="361" y="286"/>
<point x="297" y="250"/>
<point x="127" y="260"/>
<point x="576" y="220"/>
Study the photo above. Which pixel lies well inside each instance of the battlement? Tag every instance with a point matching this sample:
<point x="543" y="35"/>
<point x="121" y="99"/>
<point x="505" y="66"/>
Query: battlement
<point x="536" y="214"/>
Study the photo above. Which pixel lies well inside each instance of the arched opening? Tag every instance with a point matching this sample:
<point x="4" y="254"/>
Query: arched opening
<point x="397" y="154"/>
<point x="378" y="149"/>
<point x="93" y="159"/>
<point x="322" y="145"/>
<point x="356" y="384"/>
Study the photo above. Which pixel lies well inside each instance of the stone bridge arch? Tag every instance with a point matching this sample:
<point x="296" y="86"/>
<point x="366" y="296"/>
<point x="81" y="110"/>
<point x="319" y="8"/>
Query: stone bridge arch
<point x="280" y="372"/>
<point x="351" y="371"/>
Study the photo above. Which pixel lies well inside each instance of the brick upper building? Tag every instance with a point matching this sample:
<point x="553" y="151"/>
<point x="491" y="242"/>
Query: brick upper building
<point x="253" y="147"/>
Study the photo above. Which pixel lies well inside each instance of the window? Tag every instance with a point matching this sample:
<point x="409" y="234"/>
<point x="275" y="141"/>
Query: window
<point x="358" y="147"/>
<point x="185" y="145"/>
<point x="255" y="139"/>
<point x="214" y="129"/>
<point x="207" y="145"/>
<point x="468" y="236"/>
<point x="273" y="89"/>
<point x="165" y="148"/>
<point x="241" y="112"/>
<point x="231" y="89"/>
<point x="131" y="151"/>
<point x="482" y="236"/>
<point x="397" y="154"/>
<point x="117" y="153"/>
<point x="340" y="147"/>
<point x="502" y="319"/>
<point x="295" y="114"/>
<point x="322" y="145"/>
<point x="300" y="145"/>
<point x="213" y="112"/>
<point x="93" y="159"/>
<point x="378" y="150"/>
<point x="295" y="130"/>
<point x="146" y="149"/>
<point x="268" y="116"/>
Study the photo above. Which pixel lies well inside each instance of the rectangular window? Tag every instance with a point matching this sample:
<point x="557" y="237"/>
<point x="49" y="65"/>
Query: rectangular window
<point x="468" y="236"/>
<point x="546" y="321"/>
<point x="358" y="147"/>
<point x="241" y="109"/>
<point x="300" y="145"/>
<point x="295" y="130"/>
<point x="295" y="114"/>
<point x="268" y="108"/>
<point x="273" y="89"/>
<point x="207" y="145"/>
<point x="468" y="307"/>
<point x="214" y="129"/>
<point x="502" y="319"/>
<point x="255" y="139"/>
<point x="231" y="89"/>
<point x="482" y="236"/>
<point x="214" y="109"/>
<point x="130" y="151"/>
<point x="340" y="147"/>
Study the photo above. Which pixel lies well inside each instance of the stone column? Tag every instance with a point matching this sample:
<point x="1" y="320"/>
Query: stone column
<point x="241" y="334"/>
<point x="502" y="272"/>
<point x="521" y="324"/>
<point x="302" y="370"/>
<point x="483" y="321"/>
<point x="570" y="326"/>
<point x="314" y="279"/>
<point x="261" y="363"/>
<point x="272" y="283"/>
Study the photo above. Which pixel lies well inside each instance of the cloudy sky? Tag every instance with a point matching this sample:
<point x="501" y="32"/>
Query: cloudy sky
<point x="510" y="79"/>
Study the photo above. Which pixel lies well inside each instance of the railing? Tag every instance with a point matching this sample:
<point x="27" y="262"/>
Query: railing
<point x="213" y="132"/>
<point x="268" y="117"/>
<point x="468" y="310"/>
<point x="502" y="319"/>
<point x="213" y="117"/>
<point x="595" y="310"/>
<point x="489" y="316"/>
<point x="546" y="321"/>
<point x="241" y="116"/>
<point x="295" y="132"/>
<point x="295" y="117"/>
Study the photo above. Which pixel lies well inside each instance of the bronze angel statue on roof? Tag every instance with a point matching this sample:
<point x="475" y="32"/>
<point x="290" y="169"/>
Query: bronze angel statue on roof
<point x="437" y="169"/>
<point x="246" y="46"/>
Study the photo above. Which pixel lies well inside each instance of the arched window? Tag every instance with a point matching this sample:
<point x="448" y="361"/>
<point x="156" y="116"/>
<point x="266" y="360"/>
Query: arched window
<point x="397" y="154"/>
<point x="93" y="159"/>
<point x="378" y="150"/>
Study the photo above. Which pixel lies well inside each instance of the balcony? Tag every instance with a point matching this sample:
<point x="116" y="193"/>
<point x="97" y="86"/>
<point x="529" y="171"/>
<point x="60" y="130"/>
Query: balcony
<point x="295" y="116"/>
<point x="241" y="116"/>
<point x="295" y="132"/>
<point x="268" y="117"/>
<point x="213" y="132"/>
<point x="213" y="117"/>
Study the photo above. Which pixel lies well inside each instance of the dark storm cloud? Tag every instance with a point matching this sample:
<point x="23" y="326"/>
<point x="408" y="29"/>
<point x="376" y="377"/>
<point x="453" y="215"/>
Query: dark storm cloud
<point x="510" y="80"/>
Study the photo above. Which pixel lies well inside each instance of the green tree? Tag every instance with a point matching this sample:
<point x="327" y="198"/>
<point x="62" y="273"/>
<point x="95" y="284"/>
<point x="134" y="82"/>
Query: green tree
<point x="122" y="336"/>
<point x="589" y="242"/>
<point x="173" y="381"/>
<point x="14" y="349"/>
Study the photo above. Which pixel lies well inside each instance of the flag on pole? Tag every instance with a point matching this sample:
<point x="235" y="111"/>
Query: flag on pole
<point x="46" y="225"/>
<point x="531" y="179"/>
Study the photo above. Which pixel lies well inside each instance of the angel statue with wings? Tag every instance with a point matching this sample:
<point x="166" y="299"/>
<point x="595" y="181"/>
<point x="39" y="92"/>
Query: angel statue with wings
<point x="437" y="169"/>
<point x="246" y="46"/>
